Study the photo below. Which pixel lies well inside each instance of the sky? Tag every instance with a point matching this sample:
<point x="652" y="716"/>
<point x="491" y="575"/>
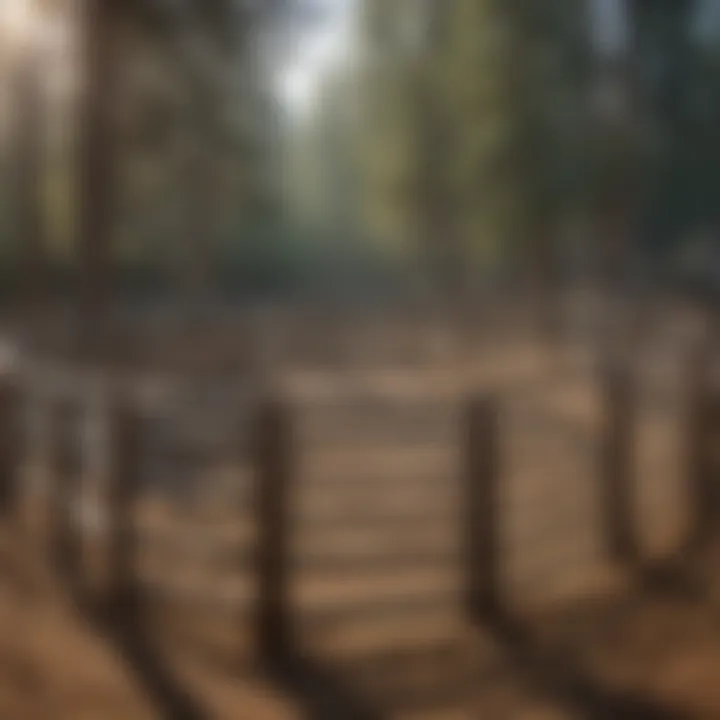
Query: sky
<point x="314" y="52"/>
<point x="608" y="25"/>
<point x="707" y="24"/>
<point x="18" y="20"/>
<point x="320" y="48"/>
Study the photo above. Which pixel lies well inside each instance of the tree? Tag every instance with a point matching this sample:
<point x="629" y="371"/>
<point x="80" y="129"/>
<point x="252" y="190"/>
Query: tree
<point x="96" y="174"/>
<point x="477" y="123"/>
<point x="665" y="61"/>
<point x="27" y="182"/>
<point x="409" y="129"/>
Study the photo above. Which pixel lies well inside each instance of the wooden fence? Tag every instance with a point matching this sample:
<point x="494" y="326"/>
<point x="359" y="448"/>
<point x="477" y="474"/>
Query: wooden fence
<point x="274" y="447"/>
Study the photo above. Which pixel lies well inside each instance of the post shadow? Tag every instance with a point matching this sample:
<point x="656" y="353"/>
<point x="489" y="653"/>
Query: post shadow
<point x="119" y="616"/>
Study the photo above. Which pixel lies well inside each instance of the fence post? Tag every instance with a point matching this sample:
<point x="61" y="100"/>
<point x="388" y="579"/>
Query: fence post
<point x="124" y="485"/>
<point x="273" y="456"/>
<point x="10" y="406"/>
<point x="617" y="472"/>
<point x="481" y="525"/>
<point x="66" y="547"/>
<point x="712" y="440"/>
<point x="702" y="422"/>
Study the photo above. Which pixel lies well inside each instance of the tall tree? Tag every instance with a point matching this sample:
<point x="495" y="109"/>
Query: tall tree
<point x="96" y="193"/>
<point x="410" y="132"/>
<point x="489" y="111"/>
<point x="28" y="182"/>
<point x="664" y="62"/>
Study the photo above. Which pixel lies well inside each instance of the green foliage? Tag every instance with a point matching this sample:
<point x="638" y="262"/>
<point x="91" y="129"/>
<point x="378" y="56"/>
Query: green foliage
<point x="681" y="109"/>
<point x="486" y="118"/>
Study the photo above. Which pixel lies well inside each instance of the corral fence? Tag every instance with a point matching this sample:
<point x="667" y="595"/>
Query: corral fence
<point x="304" y="501"/>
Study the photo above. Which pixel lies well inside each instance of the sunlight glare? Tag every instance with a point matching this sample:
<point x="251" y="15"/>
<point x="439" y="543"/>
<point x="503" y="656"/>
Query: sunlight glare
<point x="19" y="21"/>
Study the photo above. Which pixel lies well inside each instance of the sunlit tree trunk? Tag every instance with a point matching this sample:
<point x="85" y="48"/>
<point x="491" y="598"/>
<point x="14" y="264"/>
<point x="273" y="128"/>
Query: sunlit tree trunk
<point x="435" y="221"/>
<point x="28" y="185"/>
<point x="438" y="229"/>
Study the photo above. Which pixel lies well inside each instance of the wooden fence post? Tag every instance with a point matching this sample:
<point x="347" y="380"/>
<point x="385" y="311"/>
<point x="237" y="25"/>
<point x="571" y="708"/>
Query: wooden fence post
<point x="10" y="407"/>
<point x="481" y="525"/>
<point x="274" y="459"/>
<point x="702" y="435"/>
<point x="712" y="443"/>
<point x="617" y="472"/>
<point x="124" y="486"/>
<point x="66" y="547"/>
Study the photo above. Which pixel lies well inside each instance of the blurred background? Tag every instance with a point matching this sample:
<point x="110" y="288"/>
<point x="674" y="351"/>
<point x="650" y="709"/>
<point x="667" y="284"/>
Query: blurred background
<point x="443" y="154"/>
<point x="430" y="231"/>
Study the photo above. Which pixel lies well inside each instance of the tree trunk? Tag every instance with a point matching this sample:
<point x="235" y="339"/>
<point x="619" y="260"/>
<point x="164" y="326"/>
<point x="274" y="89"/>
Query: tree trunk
<point x="96" y="178"/>
<point x="28" y="194"/>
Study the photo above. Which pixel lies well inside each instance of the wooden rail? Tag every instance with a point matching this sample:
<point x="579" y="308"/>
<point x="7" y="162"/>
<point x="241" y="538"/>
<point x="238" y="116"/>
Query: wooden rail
<point x="271" y="557"/>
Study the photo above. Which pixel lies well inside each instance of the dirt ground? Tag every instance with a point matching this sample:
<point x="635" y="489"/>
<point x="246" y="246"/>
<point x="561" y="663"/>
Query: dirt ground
<point x="622" y="655"/>
<point x="51" y="666"/>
